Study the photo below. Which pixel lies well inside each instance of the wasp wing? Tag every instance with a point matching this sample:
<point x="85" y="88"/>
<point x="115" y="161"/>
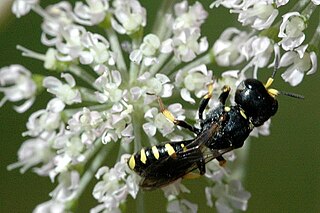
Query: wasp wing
<point x="166" y="170"/>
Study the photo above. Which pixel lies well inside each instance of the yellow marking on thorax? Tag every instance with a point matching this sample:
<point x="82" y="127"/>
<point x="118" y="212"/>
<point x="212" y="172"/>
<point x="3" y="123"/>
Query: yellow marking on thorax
<point x="227" y="109"/>
<point x="132" y="162"/>
<point x="155" y="152"/>
<point x="170" y="149"/>
<point x="143" y="157"/>
<point x="243" y="114"/>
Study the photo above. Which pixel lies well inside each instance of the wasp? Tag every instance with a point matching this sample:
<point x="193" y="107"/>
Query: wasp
<point x="223" y="129"/>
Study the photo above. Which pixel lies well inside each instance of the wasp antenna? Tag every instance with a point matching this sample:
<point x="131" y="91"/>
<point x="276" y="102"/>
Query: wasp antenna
<point x="275" y="69"/>
<point x="276" y="65"/>
<point x="293" y="95"/>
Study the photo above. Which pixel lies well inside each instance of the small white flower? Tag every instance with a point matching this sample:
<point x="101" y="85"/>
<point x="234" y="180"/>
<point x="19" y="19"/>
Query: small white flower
<point x="109" y="83"/>
<point x="281" y="2"/>
<point x="214" y="171"/>
<point x="88" y="123"/>
<point x="229" y="195"/>
<point x="186" y="45"/>
<point x="70" y="149"/>
<point x="57" y="17"/>
<point x="173" y="190"/>
<point x="291" y="30"/>
<point x="258" y="47"/>
<point x="51" y="206"/>
<point x="96" y="50"/>
<point x="16" y="83"/>
<point x="45" y="120"/>
<point x="259" y="14"/>
<point x="33" y="152"/>
<point x="71" y="45"/>
<point x="158" y="85"/>
<point x="68" y="183"/>
<point x="22" y="7"/>
<point x="118" y="124"/>
<point x="181" y="206"/>
<point x="188" y="16"/>
<point x="147" y="51"/>
<point x="91" y="14"/>
<point x="129" y="16"/>
<point x="228" y="3"/>
<point x="316" y="2"/>
<point x="298" y="63"/>
<point x="227" y="48"/>
<point x="65" y="92"/>
<point x="194" y="80"/>
<point x="112" y="189"/>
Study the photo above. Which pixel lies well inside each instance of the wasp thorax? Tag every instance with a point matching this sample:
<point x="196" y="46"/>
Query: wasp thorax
<point x="254" y="99"/>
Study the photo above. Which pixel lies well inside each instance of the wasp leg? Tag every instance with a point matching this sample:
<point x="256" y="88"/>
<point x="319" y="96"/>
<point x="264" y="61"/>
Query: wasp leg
<point x="224" y="95"/>
<point x="205" y="100"/>
<point x="194" y="154"/>
<point x="201" y="166"/>
<point x="191" y="175"/>
<point x="222" y="161"/>
<point x="171" y="118"/>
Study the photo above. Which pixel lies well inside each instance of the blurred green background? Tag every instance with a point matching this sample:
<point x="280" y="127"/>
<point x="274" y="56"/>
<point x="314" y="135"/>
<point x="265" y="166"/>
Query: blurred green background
<point x="282" y="171"/>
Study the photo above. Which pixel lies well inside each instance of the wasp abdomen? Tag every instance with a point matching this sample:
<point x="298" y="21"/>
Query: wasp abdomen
<point x="142" y="159"/>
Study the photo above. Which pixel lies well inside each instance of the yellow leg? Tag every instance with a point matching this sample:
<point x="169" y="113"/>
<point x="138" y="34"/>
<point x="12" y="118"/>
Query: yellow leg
<point x="171" y="118"/>
<point x="191" y="175"/>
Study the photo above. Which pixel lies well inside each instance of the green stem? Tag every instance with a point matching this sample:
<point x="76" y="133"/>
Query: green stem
<point x="87" y="95"/>
<point x="140" y="202"/>
<point x="314" y="44"/>
<point x="116" y="48"/>
<point x="208" y="58"/>
<point x="160" y="28"/>
<point x="92" y="170"/>
<point x="134" y="68"/>
<point x="307" y="12"/>
<point x="82" y="74"/>
<point x="100" y="107"/>
<point x="137" y="128"/>
<point x="300" y="5"/>
<point x="169" y="66"/>
<point x="162" y="59"/>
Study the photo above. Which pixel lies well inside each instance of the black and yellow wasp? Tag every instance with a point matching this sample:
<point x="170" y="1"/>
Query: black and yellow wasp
<point x="224" y="129"/>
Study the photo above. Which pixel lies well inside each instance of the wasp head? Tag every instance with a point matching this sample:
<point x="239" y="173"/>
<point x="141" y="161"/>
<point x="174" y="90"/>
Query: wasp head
<point x="258" y="102"/>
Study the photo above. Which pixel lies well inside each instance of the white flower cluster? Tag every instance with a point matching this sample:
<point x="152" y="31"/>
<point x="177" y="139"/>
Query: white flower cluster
<point x="105" y="88"/>
<point x="235" y="46"/>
